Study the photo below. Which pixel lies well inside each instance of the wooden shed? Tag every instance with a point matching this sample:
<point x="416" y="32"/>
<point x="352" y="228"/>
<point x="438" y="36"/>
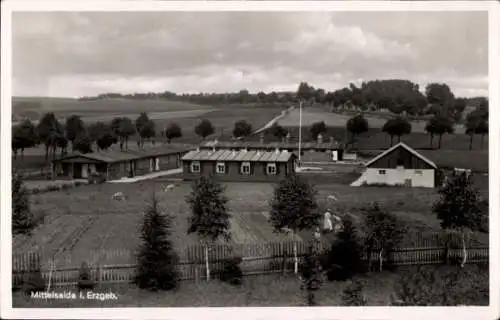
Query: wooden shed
<point x="243" y="165"/>
<point x="115" y="164"/>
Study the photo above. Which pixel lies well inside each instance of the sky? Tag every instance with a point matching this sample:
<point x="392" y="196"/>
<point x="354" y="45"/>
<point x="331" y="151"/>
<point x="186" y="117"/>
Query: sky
<point x="74" y="54"/>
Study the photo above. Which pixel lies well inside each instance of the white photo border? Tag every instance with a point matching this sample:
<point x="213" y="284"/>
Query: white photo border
<point x="316" y="313"/>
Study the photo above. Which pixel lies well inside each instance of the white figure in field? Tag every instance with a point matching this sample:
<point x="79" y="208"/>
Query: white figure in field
<point x="327" y="224"/>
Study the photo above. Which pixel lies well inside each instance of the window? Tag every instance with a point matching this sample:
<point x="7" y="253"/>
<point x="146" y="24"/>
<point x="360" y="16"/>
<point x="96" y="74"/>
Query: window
<point x="381" y="172"/>
<point x="220" y="168"/>
<point x="271" y="168"/>
<point x="419" y="172"/>
<point x="245" y="168"/>
<point x="195" y="167"/>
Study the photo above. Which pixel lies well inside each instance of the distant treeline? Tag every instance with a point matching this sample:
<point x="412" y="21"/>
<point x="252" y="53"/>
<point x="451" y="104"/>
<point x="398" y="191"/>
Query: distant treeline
<point x="377" y="94"/>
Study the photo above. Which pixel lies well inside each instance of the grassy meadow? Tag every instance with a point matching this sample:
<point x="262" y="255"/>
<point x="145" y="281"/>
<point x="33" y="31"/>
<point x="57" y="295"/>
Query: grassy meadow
<point x="268" y="291"/>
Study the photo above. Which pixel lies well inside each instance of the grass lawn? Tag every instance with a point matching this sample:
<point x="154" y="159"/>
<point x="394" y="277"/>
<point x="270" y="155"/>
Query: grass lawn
<point x="257" y="291"/>
<point x="312" y="115"/>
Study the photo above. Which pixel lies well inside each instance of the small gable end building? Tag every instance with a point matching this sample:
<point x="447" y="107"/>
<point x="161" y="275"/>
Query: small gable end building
<point x="399" y="165"/>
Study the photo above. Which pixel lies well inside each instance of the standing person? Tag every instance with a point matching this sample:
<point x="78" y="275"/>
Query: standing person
<point x="327" y="224"/>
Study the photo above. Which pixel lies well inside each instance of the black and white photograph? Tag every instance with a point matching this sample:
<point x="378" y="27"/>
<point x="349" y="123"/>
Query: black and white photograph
<point x="248" y="158"/>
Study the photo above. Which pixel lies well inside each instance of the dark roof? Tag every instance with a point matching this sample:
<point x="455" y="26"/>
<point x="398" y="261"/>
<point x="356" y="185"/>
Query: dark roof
<point x="269" y="145"/>
<point x="114" y="155"/>
<point x="476" y="161"/>
<point x="242" y="155"/>
<point x="405" y="146"/>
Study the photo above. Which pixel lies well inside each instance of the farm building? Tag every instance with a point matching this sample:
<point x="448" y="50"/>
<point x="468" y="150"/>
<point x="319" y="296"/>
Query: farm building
<point x="114" y="164"/>
<point x="315" y="151"/>
<point x="399" y="165"/>
<point x="232" y="165"/>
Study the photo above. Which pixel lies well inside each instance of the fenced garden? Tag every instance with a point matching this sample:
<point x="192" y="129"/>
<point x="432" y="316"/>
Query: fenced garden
<point x="256" y="258"/>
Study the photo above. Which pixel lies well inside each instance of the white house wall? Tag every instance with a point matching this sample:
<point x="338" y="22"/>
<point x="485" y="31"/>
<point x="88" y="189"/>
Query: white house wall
<point x="419" y="178"/>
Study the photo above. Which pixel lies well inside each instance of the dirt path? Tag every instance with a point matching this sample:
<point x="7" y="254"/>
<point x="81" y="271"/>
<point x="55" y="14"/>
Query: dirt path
<point x="148" y="176"/>
<point x="283" y="114"/>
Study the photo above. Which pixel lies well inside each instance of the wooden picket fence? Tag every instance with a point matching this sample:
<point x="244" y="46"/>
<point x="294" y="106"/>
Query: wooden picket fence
<point x="259" y="258"/>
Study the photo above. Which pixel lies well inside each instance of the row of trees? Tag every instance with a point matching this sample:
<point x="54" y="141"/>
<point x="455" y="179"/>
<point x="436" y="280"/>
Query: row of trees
<point x="395" y="95"/>
<point x="100" y="135"/>
<point x="438" y="125"/>
<point x="241" y="97"/>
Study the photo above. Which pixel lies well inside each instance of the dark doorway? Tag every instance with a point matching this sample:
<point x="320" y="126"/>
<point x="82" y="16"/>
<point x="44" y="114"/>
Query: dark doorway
<point x="77" y="171"/>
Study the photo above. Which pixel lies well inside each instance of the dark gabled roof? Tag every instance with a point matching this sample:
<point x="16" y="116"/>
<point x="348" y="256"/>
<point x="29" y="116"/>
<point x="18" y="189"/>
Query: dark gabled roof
<point x="114" y="155"/>
<point x="405" y="146"/>
<point x="242" y="155"/>
<point x="269" y="145"/>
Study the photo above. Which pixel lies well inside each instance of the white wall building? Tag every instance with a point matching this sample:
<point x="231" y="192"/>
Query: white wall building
<point x="399" y="165"/>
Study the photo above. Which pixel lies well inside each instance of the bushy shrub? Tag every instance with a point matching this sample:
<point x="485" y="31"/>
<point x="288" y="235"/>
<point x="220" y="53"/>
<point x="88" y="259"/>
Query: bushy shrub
<point x="311" y="274"/>
<point x="443" y="286"/>
<point x="231" y="271"/>
<point x="352" y="295"/>
<point x="343" y="259"/>
<point x="85" y="281"/>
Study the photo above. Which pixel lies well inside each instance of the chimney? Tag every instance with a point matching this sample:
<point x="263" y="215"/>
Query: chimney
<point x="262" y="137"/>
<point x="320" y="138"/>
<point x="287" y="138"/>
<point x="234" y="153"/>
<point x="277" y="150"/>
<point x="216" y="141"/>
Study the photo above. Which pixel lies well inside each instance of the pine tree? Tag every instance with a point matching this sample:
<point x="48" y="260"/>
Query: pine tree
<point x="343" y="259"/>
<point x="157" y="260"/>
<point x="210" y="218"/>
<point x="460" y="208"/>
<point x="23" y="221"/>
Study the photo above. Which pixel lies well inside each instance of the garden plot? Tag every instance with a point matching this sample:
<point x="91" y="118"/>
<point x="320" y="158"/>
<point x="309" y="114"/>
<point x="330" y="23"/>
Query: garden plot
<point x="57" y="238"/>
<point x="84" y="223"/>
<point x="252" y="227"/>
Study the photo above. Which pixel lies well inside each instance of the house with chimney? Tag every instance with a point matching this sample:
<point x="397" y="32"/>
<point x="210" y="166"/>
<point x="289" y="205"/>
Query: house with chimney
<point x="310" y="151"/>
<point x="242" y="165"/>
